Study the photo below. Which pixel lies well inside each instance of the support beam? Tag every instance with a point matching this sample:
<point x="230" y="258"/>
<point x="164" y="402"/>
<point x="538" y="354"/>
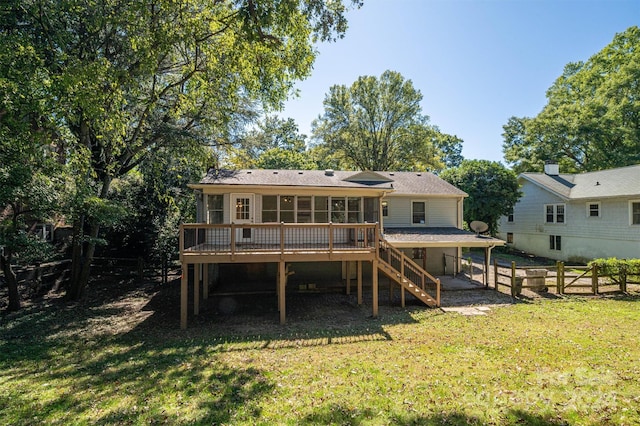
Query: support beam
<point x="348" y="269"/>
<point x="487" y="265"/>
<point x="205" y="281"/>
<point x="374" y="287"/>
<point x="282" y="282"/>
<point x="196" y="289"/>
<point x="184" y="295"/>
<point x="359" y="282"/>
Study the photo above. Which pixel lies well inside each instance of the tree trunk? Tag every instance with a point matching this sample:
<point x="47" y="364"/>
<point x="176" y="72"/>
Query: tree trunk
<point x="81" y="262"/>
<point x="12" y="282"/>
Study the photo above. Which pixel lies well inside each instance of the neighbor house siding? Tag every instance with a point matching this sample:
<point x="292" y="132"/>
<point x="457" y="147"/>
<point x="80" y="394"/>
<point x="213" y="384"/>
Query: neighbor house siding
<point x="583" y="237"/>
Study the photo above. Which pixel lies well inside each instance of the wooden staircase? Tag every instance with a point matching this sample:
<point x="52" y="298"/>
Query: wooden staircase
<point x="408" y="274"/>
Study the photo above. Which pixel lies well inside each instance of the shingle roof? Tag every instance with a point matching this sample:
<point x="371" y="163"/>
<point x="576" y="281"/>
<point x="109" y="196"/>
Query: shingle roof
<point x="425" y="183"/>
<point x="620" y="182"/>
<point x="438" y="237"/>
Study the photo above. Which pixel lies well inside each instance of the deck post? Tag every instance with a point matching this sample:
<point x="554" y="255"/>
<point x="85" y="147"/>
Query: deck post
<point x="282" y="281"/>
<point x="205" y="281"/>
<point x="359" y="282"/>
<point x="374" y="287"/>
<point x="348" y="270"/>
<point x="184" y="295"/>
<point x="196" y="289"/>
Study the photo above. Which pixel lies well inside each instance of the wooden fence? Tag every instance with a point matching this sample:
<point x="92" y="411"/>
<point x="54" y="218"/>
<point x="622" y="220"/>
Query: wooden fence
<point x="563" y="279"/>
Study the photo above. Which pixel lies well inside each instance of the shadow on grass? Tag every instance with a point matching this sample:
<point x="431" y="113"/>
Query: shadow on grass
<point x="336" y="414"/>
<point x="122" y="381"/>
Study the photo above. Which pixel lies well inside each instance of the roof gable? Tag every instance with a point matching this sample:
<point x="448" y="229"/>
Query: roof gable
<point x="620" y="182"/>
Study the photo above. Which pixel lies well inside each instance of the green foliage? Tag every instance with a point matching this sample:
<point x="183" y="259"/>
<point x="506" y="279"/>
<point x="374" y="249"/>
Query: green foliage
<point x="619" y="268"/>
<point x="592" y="117"/>
<point x="266" y="146"/>
<point x="109" y="83"/>
<point x="377" y="124"/>
<point x="279" y="158"/>
<point x="492" y="188"/>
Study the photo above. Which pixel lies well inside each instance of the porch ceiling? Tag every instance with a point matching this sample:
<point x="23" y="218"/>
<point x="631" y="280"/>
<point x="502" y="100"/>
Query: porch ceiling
<point x="438" y="237"/>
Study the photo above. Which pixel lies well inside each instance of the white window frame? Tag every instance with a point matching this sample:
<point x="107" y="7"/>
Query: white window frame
<point x="313" y="210"/>
<point x="220" y="209"/>
<point x="555" y="213"/>
<point x="631" y="203"/>
<point x="599" y="209"/>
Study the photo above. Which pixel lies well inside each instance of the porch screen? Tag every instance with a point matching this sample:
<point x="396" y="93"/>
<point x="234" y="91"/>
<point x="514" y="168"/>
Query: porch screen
<point x="269" y="208"/>
<point x="321" y="209"/>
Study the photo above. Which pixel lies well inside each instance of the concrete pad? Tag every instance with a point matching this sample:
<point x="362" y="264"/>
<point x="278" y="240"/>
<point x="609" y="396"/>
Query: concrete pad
<point x="468" y="310"/>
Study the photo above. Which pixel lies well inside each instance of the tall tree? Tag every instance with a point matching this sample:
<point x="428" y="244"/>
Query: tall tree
<point x="377" y="124"/>
<point x="592" y="117"/>
<point x="271" y="133"/>
<point x="127" y="78"/>
<point x="26" y="159"/>
<point x="492" y="188"/>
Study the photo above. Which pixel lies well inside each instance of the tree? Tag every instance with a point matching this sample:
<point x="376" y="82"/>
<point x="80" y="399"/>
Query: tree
<point x="492" y="188"/>
<point x="126" y="78"/>
<point x="271" y="133"/>
<point x="280" y="158"/>
<point x="592" y="117"/>
<point x="27" y="193"/>
<point x="377" y="124"/>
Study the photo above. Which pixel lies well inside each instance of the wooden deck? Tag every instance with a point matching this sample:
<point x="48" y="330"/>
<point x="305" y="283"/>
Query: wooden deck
<point x="257" y="243"/>
<point x="202" y="244"/>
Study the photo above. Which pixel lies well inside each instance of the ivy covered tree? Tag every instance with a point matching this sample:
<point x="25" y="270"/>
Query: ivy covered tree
<point x="377" y="124"/>
<point x="123" y="79"/>
<point x="592" y="117"/>
<point x="492" y="188"/>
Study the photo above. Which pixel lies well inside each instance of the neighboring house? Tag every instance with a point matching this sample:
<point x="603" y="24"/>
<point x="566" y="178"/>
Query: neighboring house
<point x="577" y="217"/>
<point x="325" y="226"/>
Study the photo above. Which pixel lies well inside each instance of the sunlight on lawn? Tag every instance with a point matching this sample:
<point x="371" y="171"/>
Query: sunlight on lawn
<point x="564" y="361"/>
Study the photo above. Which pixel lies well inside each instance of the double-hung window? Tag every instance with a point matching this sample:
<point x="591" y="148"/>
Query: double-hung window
<point x="418" y="213"/>
<point x="634" y="212"/>
<point x="593" y="209"/>
<point x="215" y="208"/>
<point x="554" y="213"/>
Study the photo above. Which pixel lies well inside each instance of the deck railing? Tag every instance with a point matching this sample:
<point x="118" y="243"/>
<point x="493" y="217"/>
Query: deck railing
<point x="276" y="237"/>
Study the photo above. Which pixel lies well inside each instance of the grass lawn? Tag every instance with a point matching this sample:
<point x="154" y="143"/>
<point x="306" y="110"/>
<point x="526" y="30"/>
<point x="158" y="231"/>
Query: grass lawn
<point x="121" y="359"/>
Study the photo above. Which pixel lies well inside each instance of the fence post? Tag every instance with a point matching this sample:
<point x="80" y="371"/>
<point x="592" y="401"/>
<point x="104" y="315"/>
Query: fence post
<point x="495" y="274"/>
<point x="560" y="278"/>
<point x="513" y="279"/>
<point x="594" y="279"/>
<point x="623" y="276"/>
<point x="470" y="270"/>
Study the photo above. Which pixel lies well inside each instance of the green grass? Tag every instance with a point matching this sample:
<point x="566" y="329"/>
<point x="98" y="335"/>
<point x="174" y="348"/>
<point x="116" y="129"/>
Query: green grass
<point x="546" y="362"/>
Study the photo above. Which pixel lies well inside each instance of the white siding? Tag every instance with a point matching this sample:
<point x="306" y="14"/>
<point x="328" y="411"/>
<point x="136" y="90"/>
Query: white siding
<point x="583" y="237"/>
<point x="440" y="212"/>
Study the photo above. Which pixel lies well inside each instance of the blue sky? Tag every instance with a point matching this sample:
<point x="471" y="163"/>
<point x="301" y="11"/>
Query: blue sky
<point x="476" y="62"/>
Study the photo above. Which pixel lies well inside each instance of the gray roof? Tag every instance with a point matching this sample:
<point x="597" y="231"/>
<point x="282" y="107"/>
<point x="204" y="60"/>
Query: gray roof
<point x="621" y="182"/>
<point x="442" y="236"/>
<point x="424" y="183"/>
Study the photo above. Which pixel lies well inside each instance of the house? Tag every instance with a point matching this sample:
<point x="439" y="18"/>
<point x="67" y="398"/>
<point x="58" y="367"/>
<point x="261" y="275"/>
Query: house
<point x="577" y="217"/>
<point x="323" y="227"/>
